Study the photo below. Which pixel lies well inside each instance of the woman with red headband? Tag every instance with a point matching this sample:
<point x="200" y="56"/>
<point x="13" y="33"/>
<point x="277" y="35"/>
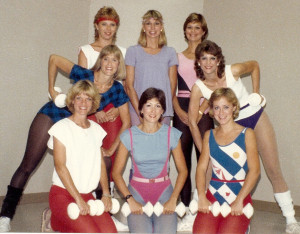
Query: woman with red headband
<point x="106" y="23"/>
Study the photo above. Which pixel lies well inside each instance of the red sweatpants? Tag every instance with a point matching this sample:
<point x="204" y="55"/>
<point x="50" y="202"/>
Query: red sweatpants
<point x="207" y="223"/>
<point x="59" y="199"/>
<point x="112" y="129"/>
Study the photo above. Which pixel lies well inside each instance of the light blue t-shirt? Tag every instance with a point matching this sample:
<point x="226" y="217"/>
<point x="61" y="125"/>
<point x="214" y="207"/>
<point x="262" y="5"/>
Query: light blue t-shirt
<point x="150" y="149"/>
<point x="152" y="70"/>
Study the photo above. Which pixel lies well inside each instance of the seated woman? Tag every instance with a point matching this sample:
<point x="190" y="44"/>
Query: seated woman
<point x="233" y="151"/>
<point x="79" y="165"/>
<point x="150" y="144"/>
<point x="109" y="67"/>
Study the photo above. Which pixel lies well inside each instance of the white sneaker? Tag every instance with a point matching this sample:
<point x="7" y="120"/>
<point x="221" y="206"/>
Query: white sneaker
<point x="186" y="224"/>
<point x="121" y="227"/>
<point x="293" y="228"/>
<point x="4" y="224"/>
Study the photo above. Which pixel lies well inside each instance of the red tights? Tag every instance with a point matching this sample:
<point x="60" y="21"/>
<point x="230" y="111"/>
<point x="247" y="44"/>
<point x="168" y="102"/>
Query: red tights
<point x="207" y="223"/>
<point x="59" y="199"/>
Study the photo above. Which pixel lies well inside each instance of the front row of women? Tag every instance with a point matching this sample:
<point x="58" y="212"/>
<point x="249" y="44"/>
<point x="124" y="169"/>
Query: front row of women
<point x="235" y="172"/>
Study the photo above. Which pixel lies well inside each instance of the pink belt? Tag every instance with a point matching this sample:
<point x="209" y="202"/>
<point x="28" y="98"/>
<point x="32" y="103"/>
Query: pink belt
<point x="154" y="180"/>
<point x="184" y="93"/>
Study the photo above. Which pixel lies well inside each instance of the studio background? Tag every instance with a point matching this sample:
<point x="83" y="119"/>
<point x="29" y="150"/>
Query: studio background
<point x="267" y="31"/>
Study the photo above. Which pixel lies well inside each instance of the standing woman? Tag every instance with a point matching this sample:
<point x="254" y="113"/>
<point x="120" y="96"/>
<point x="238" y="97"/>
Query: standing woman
<point x="233" y="152"/>
<point x="109" y="66"/>
<point x="213" y="74"/>
<point x="151" y="63"/>
<point x="106" y="24"/>
<point x="79" y="165"/>
<point x="150" y="144"/>
<point x="195" y="31"/>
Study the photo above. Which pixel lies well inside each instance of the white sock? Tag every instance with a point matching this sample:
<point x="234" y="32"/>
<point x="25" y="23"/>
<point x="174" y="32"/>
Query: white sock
<point x="285" y="202"/>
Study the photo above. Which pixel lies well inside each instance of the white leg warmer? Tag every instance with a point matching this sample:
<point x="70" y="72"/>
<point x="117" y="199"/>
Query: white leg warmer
<point x="285" y="202"/>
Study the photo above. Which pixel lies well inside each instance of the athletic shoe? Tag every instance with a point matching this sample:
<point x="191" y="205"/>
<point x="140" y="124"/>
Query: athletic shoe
<point x="46" y="217"/>
<point x="293" y="228"/>
<point x="4" y="224"/>
<point x="121" y="227"/>
<point x="186" y="224"/>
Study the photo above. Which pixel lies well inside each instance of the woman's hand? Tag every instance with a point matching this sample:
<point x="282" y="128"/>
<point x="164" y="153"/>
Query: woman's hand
<point x="84" y="208"/>
<point x="106" y="152"/>
<point x="112" y="114"/>
<point x="203" y="205"/>
<point x="135" y="207"/>
<point x="107" y="203"/>
<point x="169" y="206"/>
<point x="237" y="208"/>
<point x="183" y="116"/>
<point x="101" y="117"/>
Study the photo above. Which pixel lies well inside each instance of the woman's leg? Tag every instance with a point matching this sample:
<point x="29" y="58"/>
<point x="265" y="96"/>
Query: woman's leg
<point x="35" y="150"/>
<point x="165" y="223"/>
<point x="187" y="146"/>
<point x="139" y="223"/>
<point x="267" y="148"/>
<point x="59" y="199"/>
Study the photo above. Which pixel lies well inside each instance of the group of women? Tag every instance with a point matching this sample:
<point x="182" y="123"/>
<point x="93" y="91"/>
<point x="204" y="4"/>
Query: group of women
<point x="153" y="72"/>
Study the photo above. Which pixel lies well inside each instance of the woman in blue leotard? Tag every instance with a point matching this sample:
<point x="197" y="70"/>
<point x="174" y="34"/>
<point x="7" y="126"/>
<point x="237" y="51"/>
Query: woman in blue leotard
<point x="109" y="66"/>
<point x="233" y="152"/>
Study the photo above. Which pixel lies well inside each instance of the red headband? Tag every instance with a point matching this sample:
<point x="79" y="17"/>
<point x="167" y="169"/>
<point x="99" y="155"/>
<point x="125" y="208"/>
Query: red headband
<point x="105" y="18"/>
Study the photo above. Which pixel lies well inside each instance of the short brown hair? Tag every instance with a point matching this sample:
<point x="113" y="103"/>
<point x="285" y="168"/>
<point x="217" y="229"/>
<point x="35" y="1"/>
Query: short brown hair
<point x="196" y="18"/>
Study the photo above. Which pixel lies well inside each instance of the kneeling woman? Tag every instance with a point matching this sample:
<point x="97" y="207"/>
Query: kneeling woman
<point x="79" y="165"/>
<point x="150" y="144"/>
<point x="233" y="152"/>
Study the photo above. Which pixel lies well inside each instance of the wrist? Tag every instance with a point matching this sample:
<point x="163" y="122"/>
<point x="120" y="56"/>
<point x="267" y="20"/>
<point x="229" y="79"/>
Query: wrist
<point x="127" y="197"/>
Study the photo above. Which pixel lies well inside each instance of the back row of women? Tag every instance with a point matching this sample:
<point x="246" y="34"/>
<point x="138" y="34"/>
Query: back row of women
<point x="196" y="72"/>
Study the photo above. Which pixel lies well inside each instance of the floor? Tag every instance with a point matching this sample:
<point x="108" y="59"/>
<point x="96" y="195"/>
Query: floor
<point x="28" y="219"/>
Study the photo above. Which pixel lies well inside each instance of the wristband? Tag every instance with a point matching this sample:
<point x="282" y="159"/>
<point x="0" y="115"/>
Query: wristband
<point x="106" y="195"/>
<point x="200" y="112"/>
<point x="128" y="196"/>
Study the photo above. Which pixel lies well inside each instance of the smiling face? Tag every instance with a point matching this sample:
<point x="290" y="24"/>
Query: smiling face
<point x="152" y="27"/>
<point x="208" y="63"/>
<point x="82" y="104"/>
<point x="152" y="110"/>
<point x="223" y="110"/>
<point x="194" y="32"/>
<point x="107" y="29"/>
<point x="109" y="65"/>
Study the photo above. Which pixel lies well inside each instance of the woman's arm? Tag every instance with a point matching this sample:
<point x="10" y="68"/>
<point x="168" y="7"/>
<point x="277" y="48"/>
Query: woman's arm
<point x="56" y="63"/>
<point x="129" y="88"/>
<point x="59" y="155"/>
<point x="201" y="169"/>
<point x="249" y="67"/>
<point x="193" y="115"/>
<point x="170" y="205"/>
<point x="117" y="171"/>
<point x="125" y="118"/>
<point x="252" y="175"/>
<point x="173" y="79"/>
<point x="104" y="185"/>
<point x="82" y="60"/>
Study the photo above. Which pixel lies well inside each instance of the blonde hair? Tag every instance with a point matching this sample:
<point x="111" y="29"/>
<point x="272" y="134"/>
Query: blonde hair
<point x="89" y="89"/>
<point x="230" y="97"/>
<point x="162" y="41"/>
<point x="114" y="50"/>
<point x="110" y="13"/>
